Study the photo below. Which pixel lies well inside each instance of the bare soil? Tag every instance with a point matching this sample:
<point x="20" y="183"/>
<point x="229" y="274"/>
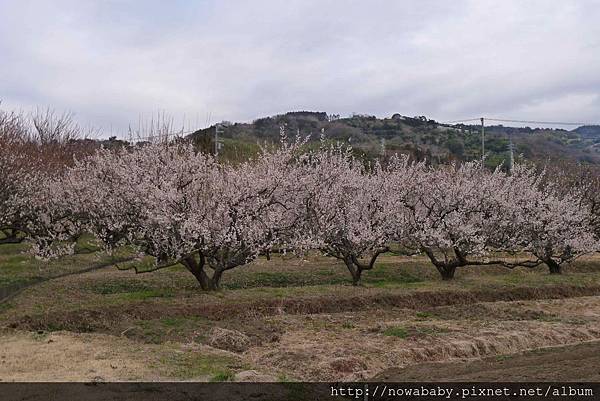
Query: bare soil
<point x="579" y="362"/>
<point x="356" y="346"/>
<point x="65" y="356"/>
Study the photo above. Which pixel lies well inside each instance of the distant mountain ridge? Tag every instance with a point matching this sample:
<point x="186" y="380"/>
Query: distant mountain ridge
<point x="419" y="136"/>
<point x="588" y="130"/>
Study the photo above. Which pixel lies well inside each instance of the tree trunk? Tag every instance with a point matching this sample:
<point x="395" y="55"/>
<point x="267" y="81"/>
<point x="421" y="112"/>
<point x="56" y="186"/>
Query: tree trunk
<point x="196" y="267"/>
<point x="356" y="277"/>
<point x="216" y="279"/>
<point x="10" y="237"/>
<point x="354" y="270"/>
<point x="447" y="272"/>
<point x="355" y="267"/>
<point x="553" y="266"/>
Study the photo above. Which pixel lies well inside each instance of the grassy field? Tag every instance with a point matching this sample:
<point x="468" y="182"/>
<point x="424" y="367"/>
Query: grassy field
<point x="283" y="319"/>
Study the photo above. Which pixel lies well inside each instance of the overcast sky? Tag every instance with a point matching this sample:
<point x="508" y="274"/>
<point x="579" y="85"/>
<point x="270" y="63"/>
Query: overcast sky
<point x="110" y="62"/>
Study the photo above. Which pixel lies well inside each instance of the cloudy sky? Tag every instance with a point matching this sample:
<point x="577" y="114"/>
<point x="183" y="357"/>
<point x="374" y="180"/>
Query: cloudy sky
<point x="114" y="62"/>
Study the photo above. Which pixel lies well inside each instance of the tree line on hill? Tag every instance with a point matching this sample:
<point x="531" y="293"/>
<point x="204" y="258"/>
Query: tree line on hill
<point x="419" y="137"/>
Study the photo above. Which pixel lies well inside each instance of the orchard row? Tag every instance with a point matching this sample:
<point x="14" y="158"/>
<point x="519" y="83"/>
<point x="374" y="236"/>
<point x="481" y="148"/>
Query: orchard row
<point x="180" y="206"/>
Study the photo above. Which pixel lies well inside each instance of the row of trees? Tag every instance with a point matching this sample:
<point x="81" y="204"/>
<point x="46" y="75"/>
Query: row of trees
<point x="178" y="205"/>
<point x="32" y="146"/>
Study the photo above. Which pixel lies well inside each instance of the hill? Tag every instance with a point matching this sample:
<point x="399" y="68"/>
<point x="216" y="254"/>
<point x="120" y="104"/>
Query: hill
<point x="420" y="137"/>
<point x="589" y="131"/>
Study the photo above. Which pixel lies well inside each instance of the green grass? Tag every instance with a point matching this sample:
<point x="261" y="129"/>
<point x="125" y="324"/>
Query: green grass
<point x="118" y="287"/>
<point x="131" y="290"/>
<point x="285" y="279"/>
<point x="86" y="244"/>
<point x="158" y="331"/>
<point x="19" y="268"/>
<point x="15" y="262"/>
<point x="6" y="306"/>
<point x="173" y="321"/>
<point x="430" y="331"/>
<point x="424" y="315"/>
<point x="148" y="293"/>
<point x="347" y="325"/>
<point x="392" y="275"/>
<point x="224" y="376"/>
<point x="16" y="281"/>
<point x="404" y="332"/>
<point x="548" y="318"/>
<point x="194" y="365"/>
<point x="281" y="278"/>
<point x="268" y="279"/>
<point x="540" y="277"/>
<point x="330" y="272"/>
<point x="12" y="249"/>
<point x="324" y="273"/>
<point x="283" y="378"/>
<point x="396" y="331"/>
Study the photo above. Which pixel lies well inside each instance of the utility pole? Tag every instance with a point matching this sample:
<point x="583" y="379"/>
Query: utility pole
<point x="216" y="140"/>
<point x="511" y="155"/>
<point x="218" y="128"/>
<point x="482" y="142"/>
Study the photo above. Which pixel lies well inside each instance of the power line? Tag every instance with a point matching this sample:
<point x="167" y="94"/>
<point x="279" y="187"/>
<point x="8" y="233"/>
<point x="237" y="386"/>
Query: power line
<point x="461" y="121"/>
<point x="444" y="122"/>
<point x="510" y="145"/>
<point x="482" y="142"/>
<point x="161" y="135"/>
<point x="538" y="122"/>
<point x="521" y="121"/>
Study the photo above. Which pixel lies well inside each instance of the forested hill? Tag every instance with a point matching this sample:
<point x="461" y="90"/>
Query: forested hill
<point x="418" y="136"/>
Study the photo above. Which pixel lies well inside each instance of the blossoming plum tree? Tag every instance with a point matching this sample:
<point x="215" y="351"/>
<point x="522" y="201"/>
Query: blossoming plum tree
<point x="465" y="216"/>
<point x="13" y="173"/>
<point x="450" y="216"/>
<point x="32" y="148"/>
<point x="351" y="208"/>
<point x="547" y="220"/>
<point x="566" y="178"/>
<point x="175" y="205"/>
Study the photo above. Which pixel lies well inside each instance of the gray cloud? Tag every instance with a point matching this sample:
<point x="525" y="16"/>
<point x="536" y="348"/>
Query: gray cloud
<point x="110" y="62"/>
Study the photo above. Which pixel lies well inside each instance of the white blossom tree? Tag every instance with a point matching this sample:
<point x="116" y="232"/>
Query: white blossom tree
<point x="14" y="167"/>
<point x="32" y="149"/>
<point x="447" y="216"/>
<point x="459" y="216"/>
<point x="541" y="216"/>
<point x="350" y="211"/>
<point x="255" y="207"/>
<point x="174" y="204"/>
<point x="584" y="180"/>
<point x="179" y="206"/>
